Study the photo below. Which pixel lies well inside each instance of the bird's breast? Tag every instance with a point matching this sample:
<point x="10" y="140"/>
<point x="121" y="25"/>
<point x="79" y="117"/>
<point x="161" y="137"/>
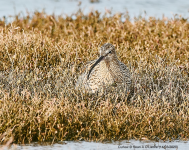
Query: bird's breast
<point x="105" y="73"/>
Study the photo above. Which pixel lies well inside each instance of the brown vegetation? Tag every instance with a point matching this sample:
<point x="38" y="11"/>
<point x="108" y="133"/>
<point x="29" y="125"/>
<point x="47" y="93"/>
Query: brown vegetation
<point x="41" y="57"/>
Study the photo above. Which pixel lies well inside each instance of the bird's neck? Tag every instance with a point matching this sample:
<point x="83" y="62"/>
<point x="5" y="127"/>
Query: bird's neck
<point x="113" y="67"/>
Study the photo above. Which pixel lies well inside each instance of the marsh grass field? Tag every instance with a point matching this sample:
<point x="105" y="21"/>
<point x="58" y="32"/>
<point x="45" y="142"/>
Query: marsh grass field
<point x="41" y="57"/>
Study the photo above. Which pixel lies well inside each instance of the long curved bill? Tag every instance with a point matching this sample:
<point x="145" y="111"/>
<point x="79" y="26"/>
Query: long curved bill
<point x="92" y="67"/>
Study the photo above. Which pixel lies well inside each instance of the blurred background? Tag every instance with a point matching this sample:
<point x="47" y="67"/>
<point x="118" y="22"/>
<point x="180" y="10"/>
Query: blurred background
<point x="135" y="8"/>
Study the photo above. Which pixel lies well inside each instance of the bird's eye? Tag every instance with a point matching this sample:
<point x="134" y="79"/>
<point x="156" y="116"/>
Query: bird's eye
<point x="110" y="52"/>
<point x="108" y="47"/>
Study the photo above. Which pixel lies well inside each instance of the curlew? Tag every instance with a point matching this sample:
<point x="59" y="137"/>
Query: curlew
<point x="106" y="71"/>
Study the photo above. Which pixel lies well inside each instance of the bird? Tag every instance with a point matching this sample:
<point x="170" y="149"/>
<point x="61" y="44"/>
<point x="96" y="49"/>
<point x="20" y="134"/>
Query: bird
<point x="106" y="71"/>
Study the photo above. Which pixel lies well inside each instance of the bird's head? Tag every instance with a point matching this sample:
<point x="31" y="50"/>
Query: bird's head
<point x="107" y="53"/>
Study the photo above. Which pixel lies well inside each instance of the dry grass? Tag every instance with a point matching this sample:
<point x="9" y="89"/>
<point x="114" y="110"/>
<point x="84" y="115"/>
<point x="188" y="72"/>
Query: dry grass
<point x="40" y="60"/>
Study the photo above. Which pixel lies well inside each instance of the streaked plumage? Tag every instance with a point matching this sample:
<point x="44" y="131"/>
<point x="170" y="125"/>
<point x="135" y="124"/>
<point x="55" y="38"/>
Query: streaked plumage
<point x="104" y="72"/>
